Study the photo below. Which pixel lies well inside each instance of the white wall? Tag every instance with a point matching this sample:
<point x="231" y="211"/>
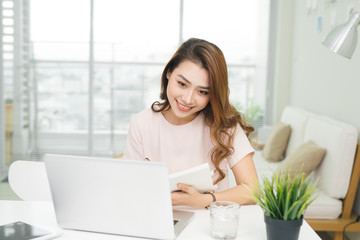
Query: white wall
<point x="283" y="45"/>
<point x="308" y="75"/>
<point x="322" y="81"/>
<point x="318" y="80"/>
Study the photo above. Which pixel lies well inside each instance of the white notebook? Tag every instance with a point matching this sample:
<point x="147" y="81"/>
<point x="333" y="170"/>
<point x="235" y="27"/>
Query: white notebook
<point x="198" y="177"/>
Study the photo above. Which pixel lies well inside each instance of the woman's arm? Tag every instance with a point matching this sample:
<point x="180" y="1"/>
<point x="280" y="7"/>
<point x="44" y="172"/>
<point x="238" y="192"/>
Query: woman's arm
<point x="244" y="172"/>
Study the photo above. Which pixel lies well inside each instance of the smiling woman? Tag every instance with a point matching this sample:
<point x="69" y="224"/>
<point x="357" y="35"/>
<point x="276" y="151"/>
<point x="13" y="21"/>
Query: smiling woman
<point x="195" y="124"/>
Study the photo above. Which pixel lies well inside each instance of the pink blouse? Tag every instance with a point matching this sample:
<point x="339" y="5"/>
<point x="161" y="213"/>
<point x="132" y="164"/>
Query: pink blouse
<point x="179" y="146"/>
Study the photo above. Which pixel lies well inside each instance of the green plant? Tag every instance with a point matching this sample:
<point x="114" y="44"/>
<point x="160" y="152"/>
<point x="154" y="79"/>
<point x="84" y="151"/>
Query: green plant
<point x="253" y="113"/>
<point x="285" y="197"/>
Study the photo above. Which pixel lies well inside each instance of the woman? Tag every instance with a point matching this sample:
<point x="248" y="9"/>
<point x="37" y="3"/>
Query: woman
<point x="194" y="124"/>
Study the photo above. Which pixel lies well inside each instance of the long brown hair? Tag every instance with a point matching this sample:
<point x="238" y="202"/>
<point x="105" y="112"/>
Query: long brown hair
<point x="220" y="115"/>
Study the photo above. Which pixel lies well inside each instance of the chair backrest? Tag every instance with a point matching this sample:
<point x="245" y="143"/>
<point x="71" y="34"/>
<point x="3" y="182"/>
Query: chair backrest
<point x="28" y="180"/>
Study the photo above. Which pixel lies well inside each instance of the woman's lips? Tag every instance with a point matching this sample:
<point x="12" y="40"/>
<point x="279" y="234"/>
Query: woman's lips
<point x="182" y="107"/>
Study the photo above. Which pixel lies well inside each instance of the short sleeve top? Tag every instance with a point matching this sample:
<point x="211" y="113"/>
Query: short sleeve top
<point x="180" y="146"/>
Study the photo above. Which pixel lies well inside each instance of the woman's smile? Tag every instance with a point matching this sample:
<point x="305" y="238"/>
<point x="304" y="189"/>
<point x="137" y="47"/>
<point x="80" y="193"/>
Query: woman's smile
<point x="183" y="107"/>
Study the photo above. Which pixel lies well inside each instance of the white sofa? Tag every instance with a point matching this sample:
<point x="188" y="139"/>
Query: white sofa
<point x="340" y="141"/>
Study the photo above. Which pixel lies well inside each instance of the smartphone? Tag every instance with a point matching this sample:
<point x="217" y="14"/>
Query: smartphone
<point x="24" y="231"/>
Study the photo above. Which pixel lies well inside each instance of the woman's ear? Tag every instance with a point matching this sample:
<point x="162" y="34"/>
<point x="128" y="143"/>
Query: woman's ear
<point x="168" y="75"/>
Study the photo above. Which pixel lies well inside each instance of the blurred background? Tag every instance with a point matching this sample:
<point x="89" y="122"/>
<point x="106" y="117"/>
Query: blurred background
<point x="76" y="72"/>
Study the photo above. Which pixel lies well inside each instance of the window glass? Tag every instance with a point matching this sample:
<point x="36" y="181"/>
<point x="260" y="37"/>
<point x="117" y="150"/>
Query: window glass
<point x="231" y="24"/>
<point x="123" y="90"/>
<point x="60" y="29"/>
<point x="60" y="20"/>
<point x="133" y="40"/>
<point x="136" y="30"/>
<point x="62" y="96"/>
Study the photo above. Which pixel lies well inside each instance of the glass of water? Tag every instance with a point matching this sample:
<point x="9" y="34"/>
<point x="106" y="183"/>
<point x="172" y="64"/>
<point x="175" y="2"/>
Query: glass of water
<point x="224" y="219"/>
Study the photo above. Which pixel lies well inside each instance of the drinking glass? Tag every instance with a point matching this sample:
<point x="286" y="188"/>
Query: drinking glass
<point x="224" y="219"/>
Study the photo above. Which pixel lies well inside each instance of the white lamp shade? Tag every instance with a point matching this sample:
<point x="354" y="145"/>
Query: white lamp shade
<point x="343" y="38"/>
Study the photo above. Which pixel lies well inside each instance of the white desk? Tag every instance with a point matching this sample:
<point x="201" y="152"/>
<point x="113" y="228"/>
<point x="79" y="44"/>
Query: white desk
<point x="251" y="224"/>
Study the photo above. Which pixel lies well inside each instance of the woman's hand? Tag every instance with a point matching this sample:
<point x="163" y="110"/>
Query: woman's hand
<point x="189" y="196"/>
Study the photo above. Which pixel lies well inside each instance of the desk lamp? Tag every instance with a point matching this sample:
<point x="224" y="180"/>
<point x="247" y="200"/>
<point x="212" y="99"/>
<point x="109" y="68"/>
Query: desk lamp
<point x="343" y="38"/>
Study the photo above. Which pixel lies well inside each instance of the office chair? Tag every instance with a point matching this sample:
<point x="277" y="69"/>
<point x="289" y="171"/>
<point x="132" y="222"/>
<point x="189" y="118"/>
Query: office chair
<point x="29" y="181"/>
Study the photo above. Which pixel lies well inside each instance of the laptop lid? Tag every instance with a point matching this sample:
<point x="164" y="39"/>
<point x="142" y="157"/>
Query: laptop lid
<point x="114" y="196"/>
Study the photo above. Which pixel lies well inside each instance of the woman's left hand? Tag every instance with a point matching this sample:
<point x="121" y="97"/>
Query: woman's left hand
<point x="188" y="196"/>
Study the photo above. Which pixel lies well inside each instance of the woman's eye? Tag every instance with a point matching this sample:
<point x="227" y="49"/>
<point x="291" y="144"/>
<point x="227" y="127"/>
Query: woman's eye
<point x="181" y="84"/>
<point x="203" y="92"/>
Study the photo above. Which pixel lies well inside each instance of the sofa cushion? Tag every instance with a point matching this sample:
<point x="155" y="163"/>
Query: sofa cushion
<point x="324" y="207"/>
<point x="276" y="143"/>
<point x="340" y="141"/>
<point x="305" y="159"/>
<point x="297" y="119"/>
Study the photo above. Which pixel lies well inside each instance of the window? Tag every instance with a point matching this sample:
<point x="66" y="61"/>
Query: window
<point x="85" y="91"/>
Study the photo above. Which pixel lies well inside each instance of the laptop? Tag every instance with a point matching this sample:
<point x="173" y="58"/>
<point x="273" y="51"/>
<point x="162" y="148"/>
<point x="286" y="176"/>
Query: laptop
<point x="114" y="196"/>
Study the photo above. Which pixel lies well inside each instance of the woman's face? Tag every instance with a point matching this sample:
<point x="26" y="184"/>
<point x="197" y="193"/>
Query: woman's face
<point x="187" y="92"/>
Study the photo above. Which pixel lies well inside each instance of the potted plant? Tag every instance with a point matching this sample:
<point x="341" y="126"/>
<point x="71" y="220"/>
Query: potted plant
<point x="284" y="198"/>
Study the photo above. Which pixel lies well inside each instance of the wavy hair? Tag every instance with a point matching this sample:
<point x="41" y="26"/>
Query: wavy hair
<point x="220" y="115"/>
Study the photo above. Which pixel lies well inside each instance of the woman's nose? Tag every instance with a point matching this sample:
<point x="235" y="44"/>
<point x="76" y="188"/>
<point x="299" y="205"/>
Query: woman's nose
<point x="189" y="97"/>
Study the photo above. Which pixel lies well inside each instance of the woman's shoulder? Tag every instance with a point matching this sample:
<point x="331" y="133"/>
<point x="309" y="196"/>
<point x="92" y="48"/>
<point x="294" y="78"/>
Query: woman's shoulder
<point x="146" y="115"/>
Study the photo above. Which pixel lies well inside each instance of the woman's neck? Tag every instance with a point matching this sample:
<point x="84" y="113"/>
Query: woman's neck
<point x="172" y="119"/>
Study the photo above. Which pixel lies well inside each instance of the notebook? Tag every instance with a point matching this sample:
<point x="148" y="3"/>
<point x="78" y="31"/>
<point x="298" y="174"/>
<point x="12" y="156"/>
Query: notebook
<point x="198" y="177"/>
<point x="114" y="196"/>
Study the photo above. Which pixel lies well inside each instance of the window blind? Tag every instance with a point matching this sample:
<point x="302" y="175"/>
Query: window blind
<point x="15" y="80"/>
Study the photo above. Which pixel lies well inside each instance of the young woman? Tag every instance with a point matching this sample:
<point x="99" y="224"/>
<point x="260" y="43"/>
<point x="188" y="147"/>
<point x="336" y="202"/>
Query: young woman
<point x="195" y="124"/>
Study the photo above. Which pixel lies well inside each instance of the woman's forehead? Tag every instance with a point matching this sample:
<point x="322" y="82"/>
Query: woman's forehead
<point x="192" y="73"/>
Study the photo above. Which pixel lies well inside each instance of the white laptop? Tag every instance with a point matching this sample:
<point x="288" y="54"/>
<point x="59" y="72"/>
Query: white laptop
<point x="114" y="196"/>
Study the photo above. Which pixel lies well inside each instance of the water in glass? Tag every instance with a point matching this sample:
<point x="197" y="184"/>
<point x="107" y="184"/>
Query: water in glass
<point x="224" y="219"/>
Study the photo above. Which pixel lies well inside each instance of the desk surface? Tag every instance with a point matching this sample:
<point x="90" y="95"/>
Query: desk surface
<point x="251" y="223"/>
